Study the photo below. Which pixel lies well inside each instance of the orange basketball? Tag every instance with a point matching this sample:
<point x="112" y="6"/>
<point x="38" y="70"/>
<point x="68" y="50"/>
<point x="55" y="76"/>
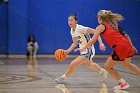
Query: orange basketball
<point x="60" y="54"/>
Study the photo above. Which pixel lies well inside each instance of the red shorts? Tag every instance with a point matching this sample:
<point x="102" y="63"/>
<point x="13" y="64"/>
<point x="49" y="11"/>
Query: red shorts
<point x="121" y="51"/>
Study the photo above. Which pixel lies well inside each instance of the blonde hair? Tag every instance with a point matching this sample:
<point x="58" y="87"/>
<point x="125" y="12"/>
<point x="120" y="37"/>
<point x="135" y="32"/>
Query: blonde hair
<point x="108" y="16"/>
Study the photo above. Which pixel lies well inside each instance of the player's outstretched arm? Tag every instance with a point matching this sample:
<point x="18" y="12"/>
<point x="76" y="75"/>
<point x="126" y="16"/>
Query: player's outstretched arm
<point x="73" y="45"/>
<point x="101" y="44"/>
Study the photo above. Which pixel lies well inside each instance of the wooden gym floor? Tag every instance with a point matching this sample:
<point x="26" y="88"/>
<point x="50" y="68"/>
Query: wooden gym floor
<point x="17" y="75"/>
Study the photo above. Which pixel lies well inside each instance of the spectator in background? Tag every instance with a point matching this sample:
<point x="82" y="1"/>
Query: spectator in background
<point x="32" y="47"/>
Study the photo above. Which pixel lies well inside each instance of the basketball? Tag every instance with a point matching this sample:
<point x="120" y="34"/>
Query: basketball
<point x="60" y="54"/>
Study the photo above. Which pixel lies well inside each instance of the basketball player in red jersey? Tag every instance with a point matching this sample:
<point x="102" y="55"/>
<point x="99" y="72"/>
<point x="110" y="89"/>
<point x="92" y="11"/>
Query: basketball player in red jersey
<point x="119" y="41"/>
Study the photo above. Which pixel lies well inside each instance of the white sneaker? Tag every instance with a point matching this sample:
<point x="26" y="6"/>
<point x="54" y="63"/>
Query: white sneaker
<point x="60" y="80"/>
<point x="122" y="86"/>
<point x="60" y="86"/>
<point x="103" y="74"/>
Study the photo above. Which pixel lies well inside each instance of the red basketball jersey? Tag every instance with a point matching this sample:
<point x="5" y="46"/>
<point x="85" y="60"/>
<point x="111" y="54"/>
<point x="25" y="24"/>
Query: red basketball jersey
<point x="111" y="35"/>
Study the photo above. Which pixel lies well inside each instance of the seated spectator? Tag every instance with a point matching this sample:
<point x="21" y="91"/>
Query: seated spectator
<point x="32" y="47"/>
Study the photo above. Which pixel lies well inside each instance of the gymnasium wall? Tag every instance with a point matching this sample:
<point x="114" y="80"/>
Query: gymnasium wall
<point x="3" y="28"/>
<point x="47" y="20"/>
<point x="17" y="26"/>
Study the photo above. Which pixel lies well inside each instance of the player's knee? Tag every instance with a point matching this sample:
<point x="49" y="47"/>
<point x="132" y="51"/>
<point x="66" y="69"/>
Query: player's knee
<point x="88" y="64"/>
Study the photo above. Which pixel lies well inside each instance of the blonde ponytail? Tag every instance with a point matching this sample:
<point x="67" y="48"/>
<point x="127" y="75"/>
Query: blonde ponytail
<point x="108" y="16"/>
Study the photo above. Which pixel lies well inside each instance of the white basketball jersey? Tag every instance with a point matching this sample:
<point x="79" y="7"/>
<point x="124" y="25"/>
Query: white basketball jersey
<point x="82" y="38"/>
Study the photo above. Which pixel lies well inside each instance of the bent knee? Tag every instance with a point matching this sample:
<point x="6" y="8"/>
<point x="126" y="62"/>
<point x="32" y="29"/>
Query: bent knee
<point x="88" y="64"/>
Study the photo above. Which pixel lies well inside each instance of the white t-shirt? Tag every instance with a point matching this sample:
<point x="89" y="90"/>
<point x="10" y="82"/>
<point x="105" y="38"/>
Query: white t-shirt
<point x="83" y="38"/>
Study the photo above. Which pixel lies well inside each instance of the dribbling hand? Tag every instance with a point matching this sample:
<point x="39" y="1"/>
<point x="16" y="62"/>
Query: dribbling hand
<point x="66" y="51"/>
<point x="78" y="49"/>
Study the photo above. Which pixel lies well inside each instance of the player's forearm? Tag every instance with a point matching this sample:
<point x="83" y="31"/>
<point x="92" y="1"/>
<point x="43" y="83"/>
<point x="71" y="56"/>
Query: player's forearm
<point x="100" y="40"/>
<point x="71" y="47"/>
<point x="91" y="42"/>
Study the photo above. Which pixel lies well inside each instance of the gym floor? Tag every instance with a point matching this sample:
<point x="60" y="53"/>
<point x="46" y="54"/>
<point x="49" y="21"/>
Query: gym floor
<point x="19" y="75"/>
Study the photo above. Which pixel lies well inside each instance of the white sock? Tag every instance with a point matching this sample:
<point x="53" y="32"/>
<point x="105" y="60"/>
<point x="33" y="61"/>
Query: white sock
<point x="121" y="80"/>
<point x="64" y="76"/>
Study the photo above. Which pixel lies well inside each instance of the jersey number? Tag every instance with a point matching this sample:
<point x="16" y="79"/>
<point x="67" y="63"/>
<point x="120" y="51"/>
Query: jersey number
<point x="78" y="38"/>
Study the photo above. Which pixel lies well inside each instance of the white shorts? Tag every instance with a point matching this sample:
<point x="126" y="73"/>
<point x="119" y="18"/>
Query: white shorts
<point x="87" y="56"/>
<point x="90" y="54"/>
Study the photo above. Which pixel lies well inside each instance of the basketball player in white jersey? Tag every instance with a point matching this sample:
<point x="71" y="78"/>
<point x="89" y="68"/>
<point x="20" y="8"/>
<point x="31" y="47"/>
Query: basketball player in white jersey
<point x="80" y="35"/>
